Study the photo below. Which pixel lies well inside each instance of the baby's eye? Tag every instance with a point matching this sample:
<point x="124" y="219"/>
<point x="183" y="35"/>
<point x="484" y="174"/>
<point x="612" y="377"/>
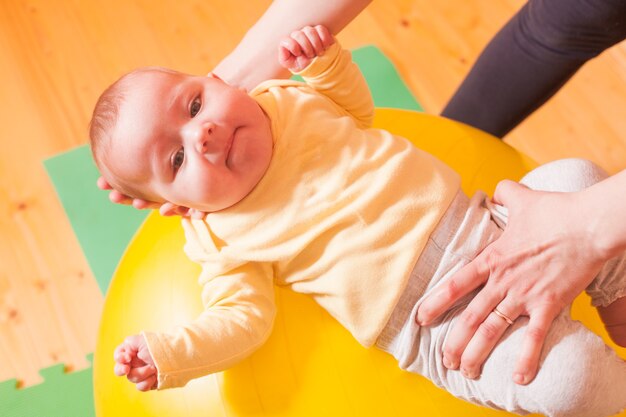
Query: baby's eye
<point x="196" y="105"/>
<point x="178" y="159"/>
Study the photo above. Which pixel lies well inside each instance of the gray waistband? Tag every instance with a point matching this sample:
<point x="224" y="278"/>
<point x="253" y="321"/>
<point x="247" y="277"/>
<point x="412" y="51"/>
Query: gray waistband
<point x="424" y="268"/>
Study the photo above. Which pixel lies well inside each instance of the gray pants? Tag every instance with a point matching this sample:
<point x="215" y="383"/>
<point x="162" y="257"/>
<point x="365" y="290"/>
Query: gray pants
<point x="578" y="375"/>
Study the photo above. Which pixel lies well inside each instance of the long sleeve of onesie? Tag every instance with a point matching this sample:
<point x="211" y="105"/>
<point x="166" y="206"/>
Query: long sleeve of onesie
<point x="338" y="78"/>
<point x="237" y="319"/>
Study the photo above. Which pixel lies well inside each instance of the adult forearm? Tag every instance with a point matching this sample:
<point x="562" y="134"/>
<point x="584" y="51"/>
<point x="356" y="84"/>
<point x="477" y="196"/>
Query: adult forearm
<point x="604" y="206"/>
<point x="255" y="58"/>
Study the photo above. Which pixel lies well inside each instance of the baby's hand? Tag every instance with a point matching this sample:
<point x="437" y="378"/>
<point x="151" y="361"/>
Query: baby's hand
<point x="133" y="360"/>
<point x="297" y="50"/>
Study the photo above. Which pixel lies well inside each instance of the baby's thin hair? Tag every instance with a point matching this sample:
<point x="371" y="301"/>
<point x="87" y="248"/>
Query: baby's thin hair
<point x="104" y="118"/>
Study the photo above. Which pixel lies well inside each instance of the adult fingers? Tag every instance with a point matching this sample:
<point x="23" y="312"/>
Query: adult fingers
<point x="103" y="184"/>
<point x="171" y="209"/>
<point x="461" y="283"/>
<point x="508" y="192"/>
<point x="534" y="338"/>
<point x="486" y="337"/>
<point x="141" y="204"/>
<point x="119" y="198"/>
<point x="197" y="214"/>
<point x="467" y="324"/>
<point x="167" y="209"/>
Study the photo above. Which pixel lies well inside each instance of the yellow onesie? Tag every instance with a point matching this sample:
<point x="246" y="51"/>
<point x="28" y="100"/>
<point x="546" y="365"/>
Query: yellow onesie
<point x="342" y="214"/>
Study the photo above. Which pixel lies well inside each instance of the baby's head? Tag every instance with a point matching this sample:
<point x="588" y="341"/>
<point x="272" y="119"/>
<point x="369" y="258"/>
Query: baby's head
<point x="194" y="141"/>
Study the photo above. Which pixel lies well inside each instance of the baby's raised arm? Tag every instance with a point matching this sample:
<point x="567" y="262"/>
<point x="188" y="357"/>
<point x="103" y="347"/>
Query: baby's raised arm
<point x="313" y="54"/>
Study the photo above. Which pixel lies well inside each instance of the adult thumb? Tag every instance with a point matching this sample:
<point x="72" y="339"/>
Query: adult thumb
<point x="508" y="193"/>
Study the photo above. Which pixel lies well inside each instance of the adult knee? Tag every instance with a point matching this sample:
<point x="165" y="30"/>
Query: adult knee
<point x="572" y="30"/>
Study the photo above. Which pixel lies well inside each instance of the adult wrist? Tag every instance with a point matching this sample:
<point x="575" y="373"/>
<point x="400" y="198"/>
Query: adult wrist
<point x="606" y="236"/>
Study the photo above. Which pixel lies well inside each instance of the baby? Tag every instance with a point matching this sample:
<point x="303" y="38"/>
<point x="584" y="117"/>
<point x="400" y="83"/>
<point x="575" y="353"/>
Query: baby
<point x="301" y="192"/>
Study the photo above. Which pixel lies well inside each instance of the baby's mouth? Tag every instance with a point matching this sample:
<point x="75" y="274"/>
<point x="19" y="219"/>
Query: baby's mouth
<point x="228" y="147"/>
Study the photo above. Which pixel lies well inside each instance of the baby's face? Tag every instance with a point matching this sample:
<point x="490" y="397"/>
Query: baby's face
<point x="192" y="141"/>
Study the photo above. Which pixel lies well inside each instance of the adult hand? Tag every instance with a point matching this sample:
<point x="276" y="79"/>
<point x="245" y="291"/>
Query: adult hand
<point x="542" y="261"/>
<point x="166" y="209"/>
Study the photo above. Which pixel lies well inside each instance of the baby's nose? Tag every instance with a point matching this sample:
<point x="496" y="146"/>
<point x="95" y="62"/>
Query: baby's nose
<point x="202" y="145"/>
<point x="206" y="130"/>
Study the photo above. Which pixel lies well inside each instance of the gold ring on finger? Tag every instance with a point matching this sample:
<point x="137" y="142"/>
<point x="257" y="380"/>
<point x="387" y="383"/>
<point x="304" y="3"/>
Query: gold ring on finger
<point x="504" y="316"/>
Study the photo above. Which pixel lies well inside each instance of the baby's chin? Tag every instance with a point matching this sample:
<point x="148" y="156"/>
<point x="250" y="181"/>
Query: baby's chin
<point x="209" y="207"/>
<point x="212" y="208"/>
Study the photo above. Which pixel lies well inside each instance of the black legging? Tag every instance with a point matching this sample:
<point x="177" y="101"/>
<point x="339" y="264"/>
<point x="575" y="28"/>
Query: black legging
<point x="531" y="57"/>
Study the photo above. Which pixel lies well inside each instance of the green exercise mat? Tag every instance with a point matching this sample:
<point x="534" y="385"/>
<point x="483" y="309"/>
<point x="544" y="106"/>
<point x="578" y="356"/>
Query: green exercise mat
<point x="62" y="394"/>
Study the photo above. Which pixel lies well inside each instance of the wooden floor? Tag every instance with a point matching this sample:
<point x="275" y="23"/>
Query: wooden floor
<point x="56" y="56"/>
